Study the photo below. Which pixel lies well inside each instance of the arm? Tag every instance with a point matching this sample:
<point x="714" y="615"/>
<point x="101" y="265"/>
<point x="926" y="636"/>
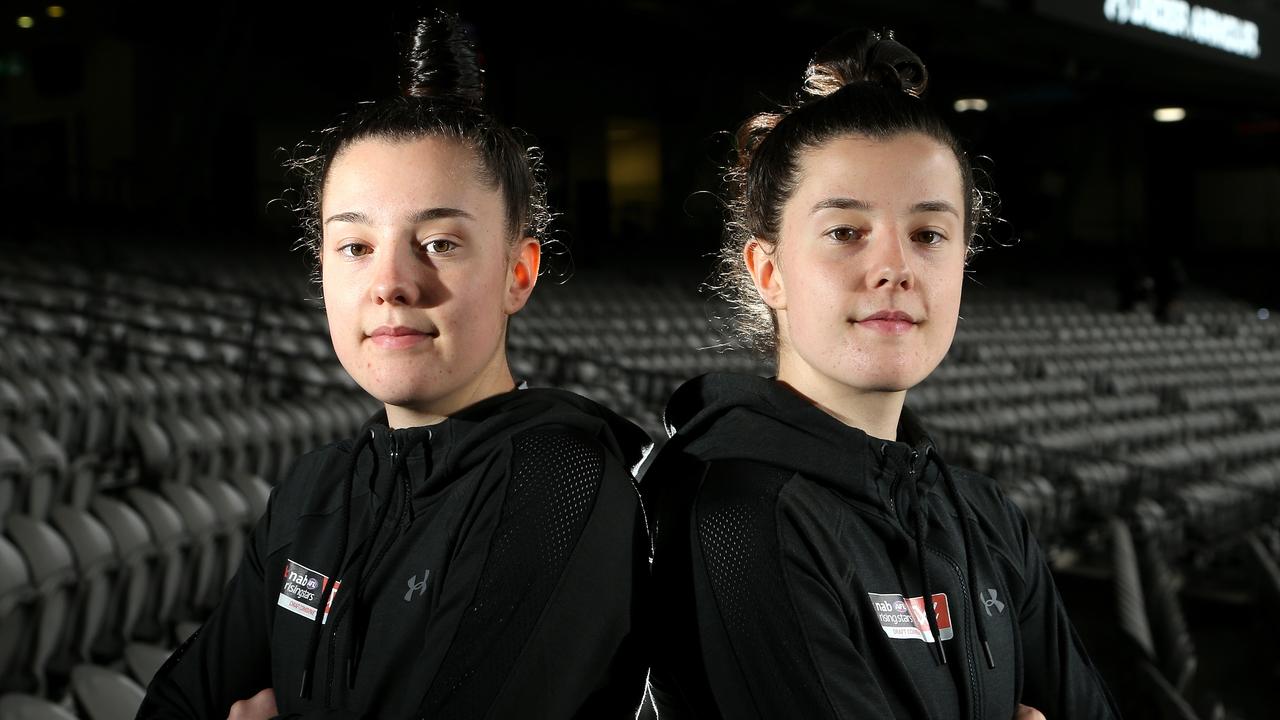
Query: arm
<point x="550" y="628"/>
<point x="228" y="658"/>
<point x="1059" y="678"/>
<point x="775" y="637"/>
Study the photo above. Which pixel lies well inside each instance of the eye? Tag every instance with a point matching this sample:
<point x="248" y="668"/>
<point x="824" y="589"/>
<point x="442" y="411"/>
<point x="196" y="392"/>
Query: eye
<point x="845" y="234"/>
<point x="930" y="237"/>
<point x="438" y="246"/>
<point x="354" y="250"/>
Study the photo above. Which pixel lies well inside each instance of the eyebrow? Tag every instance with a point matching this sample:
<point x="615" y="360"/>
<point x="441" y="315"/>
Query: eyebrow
<point x="848" y="203"/>
<point x="935" y="206"/>
<point x="840" y="203"/>
<point x="424" y="215"/>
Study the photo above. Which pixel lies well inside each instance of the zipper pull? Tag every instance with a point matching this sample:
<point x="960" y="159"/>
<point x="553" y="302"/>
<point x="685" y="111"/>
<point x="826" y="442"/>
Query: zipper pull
<point x="395" y="449"/>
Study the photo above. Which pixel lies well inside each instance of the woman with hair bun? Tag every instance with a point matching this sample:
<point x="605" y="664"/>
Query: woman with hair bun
<point x="816" y="557"/>
<point x="477" y="549"/>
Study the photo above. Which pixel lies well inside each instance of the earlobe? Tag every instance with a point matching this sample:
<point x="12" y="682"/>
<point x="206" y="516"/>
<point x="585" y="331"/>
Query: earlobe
<point x="762" y="262"/>
<point x="526" y="258"/>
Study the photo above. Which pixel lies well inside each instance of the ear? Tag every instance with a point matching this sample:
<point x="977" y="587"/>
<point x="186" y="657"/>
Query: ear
<point x="761" y="258"/>
<point x="522" y="273"/>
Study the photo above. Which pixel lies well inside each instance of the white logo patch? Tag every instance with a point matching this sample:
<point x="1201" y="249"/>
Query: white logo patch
<point x="905" y="619"/>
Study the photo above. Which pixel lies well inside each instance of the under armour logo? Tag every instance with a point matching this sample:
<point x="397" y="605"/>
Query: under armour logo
<point x="421" y="587"/>
<point x="988" y="602"/>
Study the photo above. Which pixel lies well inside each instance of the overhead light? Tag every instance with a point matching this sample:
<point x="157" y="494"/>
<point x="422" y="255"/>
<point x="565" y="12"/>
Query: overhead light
<point x="26" y="22"/>
<point x="55" y="11"/>
<point x="967" y="104"/>
<point x="1169" y="114"/>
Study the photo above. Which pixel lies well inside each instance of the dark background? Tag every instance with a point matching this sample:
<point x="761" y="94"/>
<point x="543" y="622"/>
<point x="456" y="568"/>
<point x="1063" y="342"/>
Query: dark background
<point x="158" y="132"/>
<point x="134" y="125"/>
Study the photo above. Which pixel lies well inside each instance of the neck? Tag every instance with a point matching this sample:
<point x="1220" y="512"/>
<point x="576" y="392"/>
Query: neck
<point x="495" y="379"/>
<point x="875" y="412"/>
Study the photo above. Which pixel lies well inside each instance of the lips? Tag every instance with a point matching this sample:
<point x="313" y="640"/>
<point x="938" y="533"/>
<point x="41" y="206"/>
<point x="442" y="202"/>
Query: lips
<point x="890" y="322"/>
<point x="399" y="336"/>
<point x="397" y="331"/>
<point x="893" y="315"/>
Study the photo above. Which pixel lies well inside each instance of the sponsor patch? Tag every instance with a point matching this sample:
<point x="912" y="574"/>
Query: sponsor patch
<point x="905" y="618"/>
<point x="302" y="591"/>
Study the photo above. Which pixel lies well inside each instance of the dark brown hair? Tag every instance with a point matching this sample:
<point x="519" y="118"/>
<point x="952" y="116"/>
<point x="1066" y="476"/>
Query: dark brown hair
<point x="441" y="94"/>
<point x="861" y="83"/>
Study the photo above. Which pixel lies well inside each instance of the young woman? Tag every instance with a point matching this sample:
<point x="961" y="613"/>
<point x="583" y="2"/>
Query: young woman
<point x="815" y="555"/>
<point x="477" y="550"/>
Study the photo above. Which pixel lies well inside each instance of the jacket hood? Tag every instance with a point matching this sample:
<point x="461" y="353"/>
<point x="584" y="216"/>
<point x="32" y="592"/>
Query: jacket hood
<point x="724" y="416"/>
<point x="428" y="458"/>
<point x="468" y="437"/>
<point x="744" y="417"/>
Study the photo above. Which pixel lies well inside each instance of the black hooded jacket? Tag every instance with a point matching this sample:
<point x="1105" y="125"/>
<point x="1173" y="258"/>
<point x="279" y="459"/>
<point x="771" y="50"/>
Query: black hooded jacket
<point x="487" y="566"/>
<point x="792" y="554"/>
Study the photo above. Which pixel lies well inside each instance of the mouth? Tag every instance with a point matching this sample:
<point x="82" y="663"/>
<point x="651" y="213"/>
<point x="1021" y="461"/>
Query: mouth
<point x="399" y="336"/>
<point x="890" y="322"/>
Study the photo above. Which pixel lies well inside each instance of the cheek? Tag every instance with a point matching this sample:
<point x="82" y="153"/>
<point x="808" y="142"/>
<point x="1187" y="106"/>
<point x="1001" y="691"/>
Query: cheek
<point x="816" y="297"/>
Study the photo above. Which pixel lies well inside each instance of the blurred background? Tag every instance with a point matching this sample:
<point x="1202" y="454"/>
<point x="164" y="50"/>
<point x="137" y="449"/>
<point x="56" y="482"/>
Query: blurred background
<point x="163" y="353"/>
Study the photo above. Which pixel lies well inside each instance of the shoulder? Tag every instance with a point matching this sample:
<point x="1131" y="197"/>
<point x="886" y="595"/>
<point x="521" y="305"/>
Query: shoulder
<point x="740" y="482"/>
<point x="982" y="492"/>
<point x="1000" y="520"/>
<point x="313" y="480"/>
<point x="557" y="449"/>
<point x="562" y="467"/>
<point x="322" y="461"/>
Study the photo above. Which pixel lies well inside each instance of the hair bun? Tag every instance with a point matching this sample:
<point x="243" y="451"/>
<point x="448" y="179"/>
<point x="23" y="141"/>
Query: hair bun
<point x="440" y="61"/>
<point x="865" y="56"/>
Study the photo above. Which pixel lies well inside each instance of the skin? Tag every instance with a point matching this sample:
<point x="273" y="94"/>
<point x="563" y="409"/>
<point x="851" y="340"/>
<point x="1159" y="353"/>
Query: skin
<point x="414" y="237"/>
<point x="258" y="707"/>
<point x="873" y="225"/>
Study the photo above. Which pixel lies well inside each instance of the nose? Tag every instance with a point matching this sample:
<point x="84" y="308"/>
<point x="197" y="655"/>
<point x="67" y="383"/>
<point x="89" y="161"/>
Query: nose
<point x="396" y="278"/>
<point x="890" y="263"/>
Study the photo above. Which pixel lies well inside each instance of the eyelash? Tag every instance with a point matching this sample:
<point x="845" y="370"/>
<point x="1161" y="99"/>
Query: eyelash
<point x="939" y="237"/>
<point x="343" y="250"/>
<point x="348" y="250"/>
<point x="845" y="229"/>
<point x="426" y="245"/>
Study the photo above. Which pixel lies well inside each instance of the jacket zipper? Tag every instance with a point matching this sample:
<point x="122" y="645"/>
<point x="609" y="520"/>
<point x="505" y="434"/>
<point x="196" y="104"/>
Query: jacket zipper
<point x="394" y="447"/>
<point x="975" y="680"/>
<point x="897" y="482"/>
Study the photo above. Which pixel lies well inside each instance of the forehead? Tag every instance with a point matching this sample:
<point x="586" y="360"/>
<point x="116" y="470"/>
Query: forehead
<point x="894" y="172"/>
<point x="387" y="178"/>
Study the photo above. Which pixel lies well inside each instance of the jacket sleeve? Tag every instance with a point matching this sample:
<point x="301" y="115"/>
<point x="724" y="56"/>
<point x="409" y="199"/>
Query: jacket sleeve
<point x="776" y="639"/>
<point x="550" y="629"/>
<point x="1059" y="680"/>
<point x="228" y="658"/>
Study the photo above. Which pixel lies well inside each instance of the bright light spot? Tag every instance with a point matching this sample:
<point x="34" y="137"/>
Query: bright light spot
<point x="26" y="21"/>
<point x="967" y="104"/>
<point x="1264" y="314"/>
<point x="1169" y="114"/>
<point x="55" y="11"/>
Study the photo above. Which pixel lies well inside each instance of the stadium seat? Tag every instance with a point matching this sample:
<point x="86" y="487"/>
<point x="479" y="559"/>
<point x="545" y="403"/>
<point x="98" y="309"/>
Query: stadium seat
<point x="45" y="481"/>
<point x="136" y="560"/>
<point x="142" y="661"/>
<point x="17" y="612"/>
<point x="171" y="563"/>
<point x="97" y="565"/>
<point x="53" y="577"/>
<point x="20" y="706"/>
<point x="103" y="694"/>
